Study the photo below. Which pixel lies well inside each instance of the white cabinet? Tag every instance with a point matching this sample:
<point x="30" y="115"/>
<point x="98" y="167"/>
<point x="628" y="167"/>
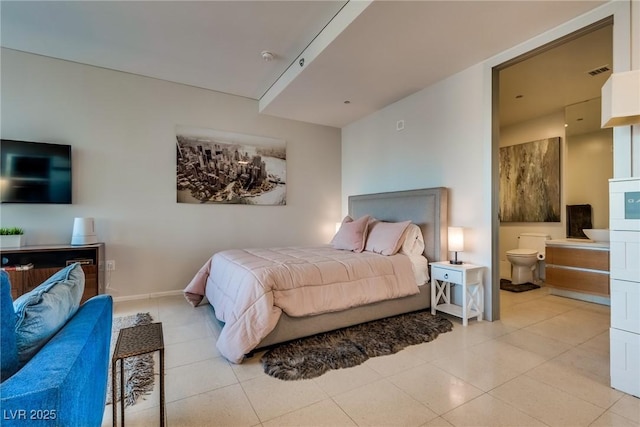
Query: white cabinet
<point x="625" y="255"/>
<point x="444" y="275"/>
<point x="624" y="220"/>
<point x="625" y="300"/>
<point x="625" y="354"/>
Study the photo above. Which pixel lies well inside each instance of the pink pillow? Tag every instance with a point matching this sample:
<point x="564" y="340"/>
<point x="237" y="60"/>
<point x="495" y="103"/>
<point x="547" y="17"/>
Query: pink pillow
<point x="352" y="234"/>
<point x="385" y="237"/>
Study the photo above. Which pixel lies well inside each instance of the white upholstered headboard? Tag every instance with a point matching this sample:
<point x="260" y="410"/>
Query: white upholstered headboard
<point x="425" y="207"/>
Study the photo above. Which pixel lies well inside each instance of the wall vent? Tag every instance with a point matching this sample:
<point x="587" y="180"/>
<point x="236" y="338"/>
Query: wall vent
<point x="599" y="70"/>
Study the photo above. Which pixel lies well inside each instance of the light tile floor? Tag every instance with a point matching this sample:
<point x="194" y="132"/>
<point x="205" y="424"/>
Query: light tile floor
<point x="545" y="363"/>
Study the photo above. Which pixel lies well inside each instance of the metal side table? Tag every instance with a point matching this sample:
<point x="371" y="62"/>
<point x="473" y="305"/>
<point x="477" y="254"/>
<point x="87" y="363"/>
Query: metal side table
<point x="136" y="341"/>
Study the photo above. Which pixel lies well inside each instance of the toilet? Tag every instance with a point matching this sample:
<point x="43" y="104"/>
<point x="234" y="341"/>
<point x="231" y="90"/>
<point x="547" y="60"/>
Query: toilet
<point x="524" y="259"/>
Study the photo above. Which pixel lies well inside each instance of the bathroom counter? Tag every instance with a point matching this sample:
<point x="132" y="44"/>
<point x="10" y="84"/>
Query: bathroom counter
<point x="578" y="269"/>
<point x="578" y="243"/>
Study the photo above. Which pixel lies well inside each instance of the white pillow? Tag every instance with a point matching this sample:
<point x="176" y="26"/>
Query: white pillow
<point x="385" y="238"/>
<point x="420" y="267"/>
<point x="413" y="243"/>
<point x="352" y="234"/>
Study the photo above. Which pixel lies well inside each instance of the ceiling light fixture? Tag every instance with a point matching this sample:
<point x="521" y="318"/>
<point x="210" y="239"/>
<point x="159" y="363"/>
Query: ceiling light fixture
<point x="267" y="56"/>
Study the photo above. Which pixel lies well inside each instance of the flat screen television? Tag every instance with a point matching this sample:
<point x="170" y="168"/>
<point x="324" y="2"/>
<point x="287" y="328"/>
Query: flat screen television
<point x="34" y="172"/>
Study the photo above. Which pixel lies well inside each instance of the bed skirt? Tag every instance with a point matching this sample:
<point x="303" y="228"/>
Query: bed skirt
<point x="290" y="328"/>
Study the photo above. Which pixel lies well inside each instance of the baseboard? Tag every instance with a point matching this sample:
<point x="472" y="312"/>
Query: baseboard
<point x="147" y="296"/>
<point x="580" y="296"/>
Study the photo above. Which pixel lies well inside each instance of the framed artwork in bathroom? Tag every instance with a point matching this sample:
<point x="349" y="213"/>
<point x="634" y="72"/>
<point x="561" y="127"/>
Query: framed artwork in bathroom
<point x="530" y="181"/>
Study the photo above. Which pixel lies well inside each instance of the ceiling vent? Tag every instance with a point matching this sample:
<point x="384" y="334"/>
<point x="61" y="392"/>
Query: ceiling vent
<point x="599" y="70"/>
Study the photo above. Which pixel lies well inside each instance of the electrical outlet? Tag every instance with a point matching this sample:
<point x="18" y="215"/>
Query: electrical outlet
<point x="111" y="265"/>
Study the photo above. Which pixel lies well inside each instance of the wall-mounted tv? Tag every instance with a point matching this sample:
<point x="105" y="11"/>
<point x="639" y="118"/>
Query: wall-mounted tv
<point x="34" y="172"/>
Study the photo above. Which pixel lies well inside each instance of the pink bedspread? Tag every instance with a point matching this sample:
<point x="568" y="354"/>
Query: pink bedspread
<point x="249" y="288"/>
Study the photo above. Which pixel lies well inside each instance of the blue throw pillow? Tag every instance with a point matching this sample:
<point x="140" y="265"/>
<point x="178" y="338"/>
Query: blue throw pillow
<point x="44" y="311"/>
<point x="8" y="349"/>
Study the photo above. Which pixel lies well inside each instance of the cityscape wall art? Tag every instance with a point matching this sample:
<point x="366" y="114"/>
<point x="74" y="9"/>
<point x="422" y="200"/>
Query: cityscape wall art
<point x="530" y="182"/>
<point x="217" y="167"/>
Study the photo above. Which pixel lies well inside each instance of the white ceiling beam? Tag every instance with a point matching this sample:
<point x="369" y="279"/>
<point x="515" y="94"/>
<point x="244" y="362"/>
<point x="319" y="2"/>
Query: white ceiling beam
<point x="334" y="28"/>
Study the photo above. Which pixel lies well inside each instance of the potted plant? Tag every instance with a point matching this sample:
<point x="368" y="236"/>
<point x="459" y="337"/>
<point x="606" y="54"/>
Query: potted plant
<point x="11" y="237"/>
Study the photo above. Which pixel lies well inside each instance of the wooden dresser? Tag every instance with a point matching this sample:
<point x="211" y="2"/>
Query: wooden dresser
<point x="578" y="268"/>
<point x="48" y="259"/>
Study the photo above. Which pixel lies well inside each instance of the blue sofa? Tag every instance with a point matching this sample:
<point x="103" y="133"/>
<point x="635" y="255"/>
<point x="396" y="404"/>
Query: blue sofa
<point x="65" y="382"/>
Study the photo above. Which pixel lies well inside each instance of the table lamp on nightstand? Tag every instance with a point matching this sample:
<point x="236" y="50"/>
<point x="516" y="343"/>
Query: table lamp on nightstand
<point x="456" y="242"/>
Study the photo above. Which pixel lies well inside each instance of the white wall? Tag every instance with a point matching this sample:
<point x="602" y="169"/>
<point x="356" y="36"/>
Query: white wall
<point x="447" y="141"/>
<point x="122" y="131"/>
<point x="548" y="126"/>
<point x="440" y="146"/>
<point x="589" y="168"/>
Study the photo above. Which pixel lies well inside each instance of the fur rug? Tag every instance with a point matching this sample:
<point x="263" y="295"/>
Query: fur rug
<point x="506" y="285"/>
<point x="313" y="356"/>
<point x="138" y="370"/>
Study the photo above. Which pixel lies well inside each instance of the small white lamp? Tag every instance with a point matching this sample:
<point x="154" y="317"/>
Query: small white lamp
<point x="621" y="99"/>
<point x="84" y="232"/>
<point x="456" y="242"/>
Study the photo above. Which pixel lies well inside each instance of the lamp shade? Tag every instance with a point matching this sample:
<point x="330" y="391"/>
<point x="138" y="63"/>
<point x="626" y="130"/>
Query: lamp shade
<point x="621" y="99"/>
<point x="456" y="239"/>
<point x="84" y="232"/>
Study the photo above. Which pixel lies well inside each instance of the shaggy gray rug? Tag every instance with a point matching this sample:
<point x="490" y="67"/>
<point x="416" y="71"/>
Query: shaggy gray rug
<point x="313" y="356"/>
<point x="138" y="370"/>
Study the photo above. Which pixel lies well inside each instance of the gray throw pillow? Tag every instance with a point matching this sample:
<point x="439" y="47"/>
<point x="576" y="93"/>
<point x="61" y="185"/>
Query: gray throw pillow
<point x="42" y="312"/>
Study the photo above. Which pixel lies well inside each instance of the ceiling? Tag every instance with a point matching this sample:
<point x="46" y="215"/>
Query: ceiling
<point x="371" y="54"/>
<point x="558" y="79"/>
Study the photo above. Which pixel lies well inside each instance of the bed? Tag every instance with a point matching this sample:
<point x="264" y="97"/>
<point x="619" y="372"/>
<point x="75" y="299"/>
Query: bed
<point x="264" y="314"/>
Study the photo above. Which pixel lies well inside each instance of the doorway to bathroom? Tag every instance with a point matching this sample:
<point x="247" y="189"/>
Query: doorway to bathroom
<point x="554" y="92"/>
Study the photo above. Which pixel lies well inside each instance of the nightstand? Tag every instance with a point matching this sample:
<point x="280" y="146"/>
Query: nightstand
<point x="469" y="276"/>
